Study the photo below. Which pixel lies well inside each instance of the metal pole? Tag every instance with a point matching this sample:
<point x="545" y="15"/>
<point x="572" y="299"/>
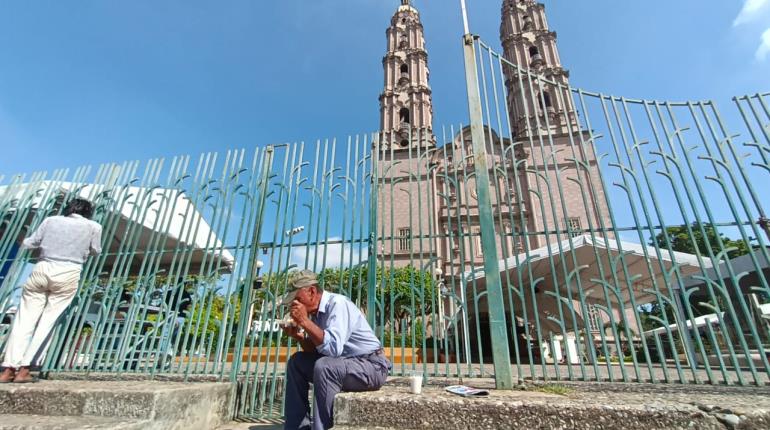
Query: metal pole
<point x="466" y="331"/>
<point x="684" y="331"/>
<point x="256" y="285"/>
<point x="371" y="297"/>
<point x="497" y="324"/>
<point x="765" y="224"/>
<point x="264" y="185"/>
<point x="466" y="27"/>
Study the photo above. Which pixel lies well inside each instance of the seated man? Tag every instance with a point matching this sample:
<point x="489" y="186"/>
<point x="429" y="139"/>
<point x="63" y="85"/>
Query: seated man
<point x="339" y="352"/>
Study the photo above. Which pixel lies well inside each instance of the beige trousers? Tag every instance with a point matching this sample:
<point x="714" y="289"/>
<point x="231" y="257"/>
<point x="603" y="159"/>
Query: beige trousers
<point x="45" y="296"/>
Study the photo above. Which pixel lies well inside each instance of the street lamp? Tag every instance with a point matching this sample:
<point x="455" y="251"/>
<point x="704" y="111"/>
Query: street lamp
<point x="295" y="230"/>
<point x="442" y="292"/>
<point x="255" y="286"/>
<point x="258" y="279"/>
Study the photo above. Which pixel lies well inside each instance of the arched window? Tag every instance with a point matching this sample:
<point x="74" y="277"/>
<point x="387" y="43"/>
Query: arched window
<point x="527" y="22"/>
<point x="533" y="51"/>
<point x="545" y="98"/>
<point x="404" y="116"/>
<point x="404" y="70"/>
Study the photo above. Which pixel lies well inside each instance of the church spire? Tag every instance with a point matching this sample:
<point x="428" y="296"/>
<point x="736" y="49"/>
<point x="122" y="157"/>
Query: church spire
<point x="406" y="105"/>
<point x="529" y="43"/>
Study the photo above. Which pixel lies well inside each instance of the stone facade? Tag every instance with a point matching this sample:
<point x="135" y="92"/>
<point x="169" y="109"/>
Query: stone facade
<point x="546" y="186"/>
<point x="422" y="189"/>
<point x="406" y="102"/>
<point x="545" y="121"/>
<point x="406" y="193"/>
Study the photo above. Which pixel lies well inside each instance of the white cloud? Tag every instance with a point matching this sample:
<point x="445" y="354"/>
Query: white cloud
<point x="337" y="255"/>
<point x="751" y="10"/>
<point x="764" y="48"/>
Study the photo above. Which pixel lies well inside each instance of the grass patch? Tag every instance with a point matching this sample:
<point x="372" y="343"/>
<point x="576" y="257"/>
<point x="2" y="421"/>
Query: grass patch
<point x="558" y="389"/>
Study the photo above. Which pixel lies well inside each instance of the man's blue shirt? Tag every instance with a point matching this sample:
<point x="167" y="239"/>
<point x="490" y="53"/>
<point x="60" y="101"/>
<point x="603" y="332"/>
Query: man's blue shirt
<point x="346" y="331"/>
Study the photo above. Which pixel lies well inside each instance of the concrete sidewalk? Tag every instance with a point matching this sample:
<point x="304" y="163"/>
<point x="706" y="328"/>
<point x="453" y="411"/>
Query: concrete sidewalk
<point x="564" y="405"/>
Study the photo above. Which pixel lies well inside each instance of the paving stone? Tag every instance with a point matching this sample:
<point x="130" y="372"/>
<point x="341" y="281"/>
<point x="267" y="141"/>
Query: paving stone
<point x="729" y="420"/>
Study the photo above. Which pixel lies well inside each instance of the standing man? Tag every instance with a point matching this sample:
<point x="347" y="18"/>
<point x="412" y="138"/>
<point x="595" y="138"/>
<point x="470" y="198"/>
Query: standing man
<point x="65" y="242"/>
<point x="339" y="352"/>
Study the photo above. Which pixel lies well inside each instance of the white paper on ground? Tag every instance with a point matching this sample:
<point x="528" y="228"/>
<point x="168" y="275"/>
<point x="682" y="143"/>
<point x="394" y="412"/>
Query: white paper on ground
<point x="465" y="391"/>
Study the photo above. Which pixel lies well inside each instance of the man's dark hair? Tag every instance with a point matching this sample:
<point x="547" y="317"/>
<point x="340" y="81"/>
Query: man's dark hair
<point x="81" y="207"/>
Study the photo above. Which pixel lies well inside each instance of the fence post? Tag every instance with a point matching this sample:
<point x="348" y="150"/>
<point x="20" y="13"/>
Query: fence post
<point x="246" y="296"/>
<point x="497" y="326"/>
<point x="371" y="287"/>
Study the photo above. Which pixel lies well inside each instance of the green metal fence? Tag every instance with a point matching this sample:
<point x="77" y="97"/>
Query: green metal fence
<point x="650" y="229"/>
<point x="562" y="235"/>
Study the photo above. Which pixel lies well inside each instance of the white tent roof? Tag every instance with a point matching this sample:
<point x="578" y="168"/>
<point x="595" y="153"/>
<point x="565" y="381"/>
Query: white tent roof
<point x="171" y="220"/>
<point x="704" y="320"/>
<point x="700" y="321"/>
<point x="599" y="269"/>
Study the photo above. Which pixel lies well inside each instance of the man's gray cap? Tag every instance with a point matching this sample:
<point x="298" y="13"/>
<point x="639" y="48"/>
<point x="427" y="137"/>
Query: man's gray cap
<point x="297" y="281"/>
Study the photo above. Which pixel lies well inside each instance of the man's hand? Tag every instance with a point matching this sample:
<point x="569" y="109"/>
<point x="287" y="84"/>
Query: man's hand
<point x="298" y="312"/>
<point x="293" y="332"/>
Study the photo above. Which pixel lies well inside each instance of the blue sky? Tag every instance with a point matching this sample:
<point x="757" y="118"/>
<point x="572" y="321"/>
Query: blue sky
<point x="91" y="81"/>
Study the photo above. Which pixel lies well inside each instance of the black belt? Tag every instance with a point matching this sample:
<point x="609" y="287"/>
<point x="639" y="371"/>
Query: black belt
<point x="377" y="352"/>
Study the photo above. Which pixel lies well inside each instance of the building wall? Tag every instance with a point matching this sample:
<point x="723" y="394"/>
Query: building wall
<point x="406" y="208"/>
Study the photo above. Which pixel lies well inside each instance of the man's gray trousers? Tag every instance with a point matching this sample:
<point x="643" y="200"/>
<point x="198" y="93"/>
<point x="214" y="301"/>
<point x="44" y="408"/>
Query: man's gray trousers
<point x="329" y="376"/>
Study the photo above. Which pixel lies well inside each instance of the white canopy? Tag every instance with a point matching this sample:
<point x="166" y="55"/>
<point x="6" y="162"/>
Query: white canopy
<point x="151" y="221"/>
<point x="699" y="322"/>
<point x="605" y="272"/>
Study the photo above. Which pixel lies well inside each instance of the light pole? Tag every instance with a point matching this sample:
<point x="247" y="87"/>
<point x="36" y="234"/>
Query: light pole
<point x="255" y="287"/>
<point x="441" y="294"/>
<point x="223" y="323"/>
<point x="464" y="9"/>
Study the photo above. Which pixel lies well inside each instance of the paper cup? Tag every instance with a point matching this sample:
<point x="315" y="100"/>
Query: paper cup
<point x="415" y="382"/>
<point x="287" y="321"/>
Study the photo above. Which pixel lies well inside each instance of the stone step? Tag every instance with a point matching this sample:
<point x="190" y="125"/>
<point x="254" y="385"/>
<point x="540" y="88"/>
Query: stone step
<point x="575" y="406"/>
<point x="47" y="422"/>
<point x="175" y="404"/>
<point x="336" y="427"/>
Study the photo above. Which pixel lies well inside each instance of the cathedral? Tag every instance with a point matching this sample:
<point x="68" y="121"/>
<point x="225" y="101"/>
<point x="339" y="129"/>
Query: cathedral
<point x="544" y="175"/>
<point x="427" y="193"/>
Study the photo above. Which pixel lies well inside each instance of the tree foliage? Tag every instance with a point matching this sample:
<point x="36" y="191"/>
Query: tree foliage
<point x="207" y="316"/>
<point x="658" y="310"/>
<point x="402" y="293"/>
<point x="683" y="241"/>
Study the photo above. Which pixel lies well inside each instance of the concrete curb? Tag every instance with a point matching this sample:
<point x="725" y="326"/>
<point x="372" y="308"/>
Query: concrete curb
<point x="394" y="408"/>
<point x="159" y="405"/>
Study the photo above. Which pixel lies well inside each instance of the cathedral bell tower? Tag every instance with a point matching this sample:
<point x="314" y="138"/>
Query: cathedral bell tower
<point x="542" y="113"/>
<point x="406" y="105"/>
<point x="528" y="43"/>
